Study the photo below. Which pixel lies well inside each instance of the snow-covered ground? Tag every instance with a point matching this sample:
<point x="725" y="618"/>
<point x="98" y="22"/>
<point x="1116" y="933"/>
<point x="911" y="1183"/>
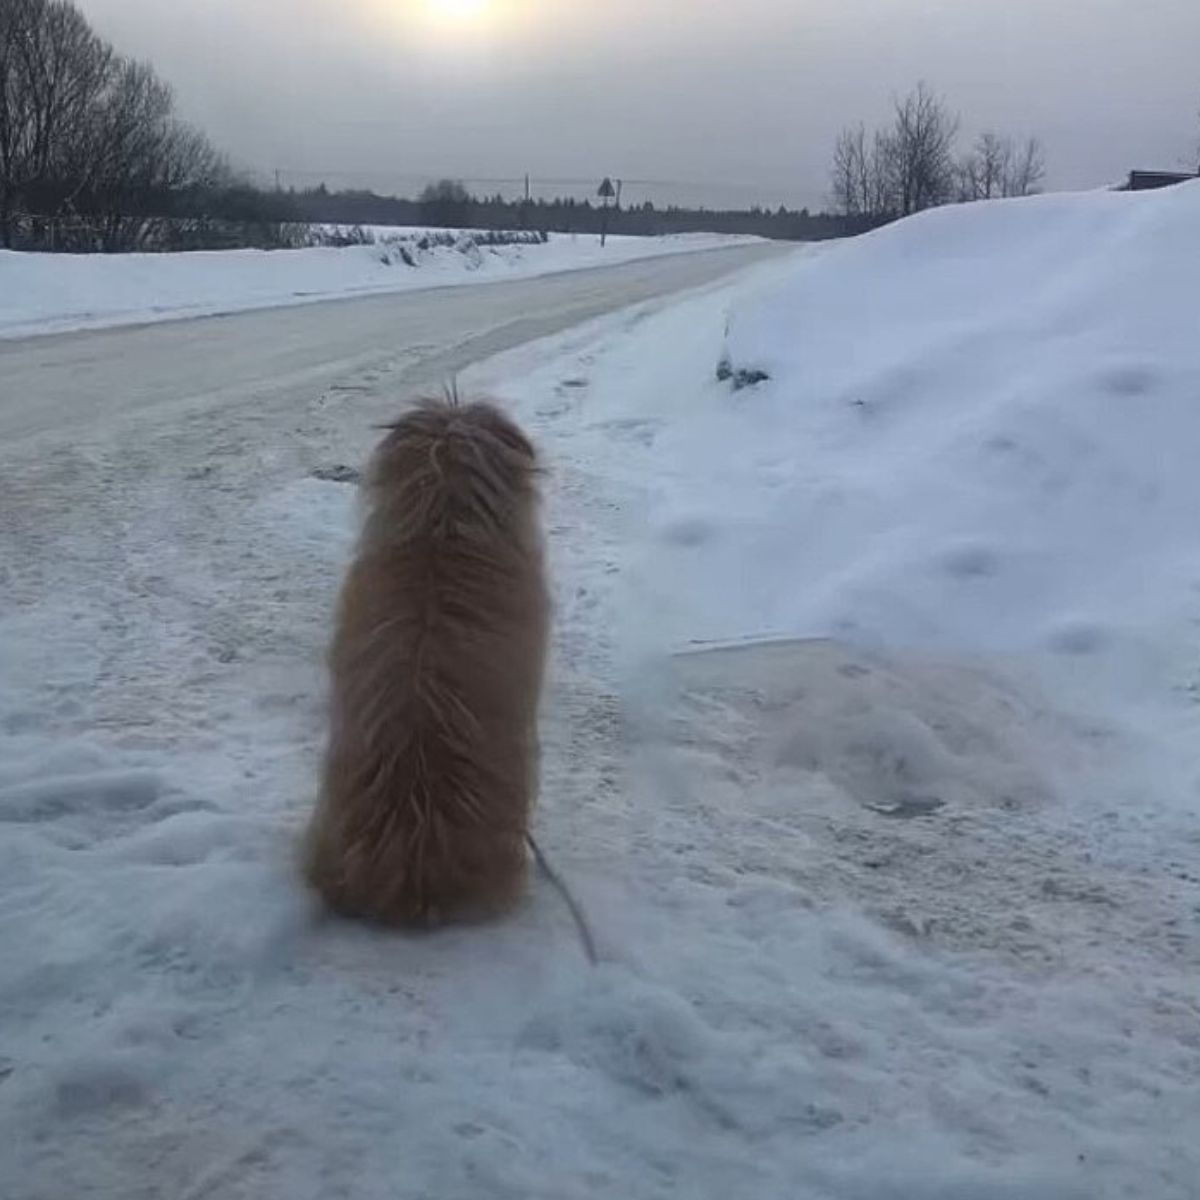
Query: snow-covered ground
<point x="45" y="293"/>
<point x="871" y="748"/>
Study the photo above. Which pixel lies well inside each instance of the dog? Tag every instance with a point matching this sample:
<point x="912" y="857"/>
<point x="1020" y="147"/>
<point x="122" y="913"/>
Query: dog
<point x="437" y="663"/>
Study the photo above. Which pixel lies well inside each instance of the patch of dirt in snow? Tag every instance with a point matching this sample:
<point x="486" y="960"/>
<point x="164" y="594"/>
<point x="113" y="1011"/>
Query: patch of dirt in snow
<point x="931" y="794"/>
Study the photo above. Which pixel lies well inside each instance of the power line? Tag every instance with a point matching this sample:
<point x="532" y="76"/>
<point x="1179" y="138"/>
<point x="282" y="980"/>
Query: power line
<point x="541" y="181"/>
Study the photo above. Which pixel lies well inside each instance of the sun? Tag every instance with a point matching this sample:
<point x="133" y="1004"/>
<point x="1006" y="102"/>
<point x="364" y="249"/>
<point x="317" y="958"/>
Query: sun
<point x="459" y="12"/>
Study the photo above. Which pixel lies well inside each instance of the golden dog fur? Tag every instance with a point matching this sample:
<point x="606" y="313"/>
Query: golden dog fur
<point x="437" y="661"/>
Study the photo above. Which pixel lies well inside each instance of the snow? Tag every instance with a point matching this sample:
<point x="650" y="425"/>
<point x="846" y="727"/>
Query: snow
<point x="870" y="750"/>
<point x="47" y="293"/>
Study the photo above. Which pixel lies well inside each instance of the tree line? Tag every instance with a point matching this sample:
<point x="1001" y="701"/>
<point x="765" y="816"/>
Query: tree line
<point x="912" y="163"/>
<point x="92" y="153"/>
<point x="448" y="204"/>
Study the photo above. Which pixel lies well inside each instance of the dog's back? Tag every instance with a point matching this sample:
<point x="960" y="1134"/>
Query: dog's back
<point x="437" y="663"/>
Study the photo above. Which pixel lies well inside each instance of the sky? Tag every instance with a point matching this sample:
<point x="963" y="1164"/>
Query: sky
<point x="691" y="101"/>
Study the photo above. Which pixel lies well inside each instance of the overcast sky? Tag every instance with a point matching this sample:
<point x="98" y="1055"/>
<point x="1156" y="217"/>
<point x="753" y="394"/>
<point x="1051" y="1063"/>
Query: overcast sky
<point x="721" y="101"/>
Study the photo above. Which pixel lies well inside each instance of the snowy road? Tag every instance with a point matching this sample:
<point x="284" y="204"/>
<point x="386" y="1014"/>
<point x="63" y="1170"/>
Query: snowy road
<point x="420" y="337"/>
<point x="169" y="555"/>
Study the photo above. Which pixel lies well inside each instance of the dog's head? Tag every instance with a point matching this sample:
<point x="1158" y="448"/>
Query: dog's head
<point x="470" y="456"/>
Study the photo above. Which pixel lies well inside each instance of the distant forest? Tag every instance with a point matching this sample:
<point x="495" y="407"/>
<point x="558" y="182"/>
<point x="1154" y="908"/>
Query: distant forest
<point x="448" y="205"/>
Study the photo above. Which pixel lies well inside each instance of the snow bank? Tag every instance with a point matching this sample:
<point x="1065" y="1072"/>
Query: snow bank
<point x="43" y="293"/>
<point x="979" y="435"/>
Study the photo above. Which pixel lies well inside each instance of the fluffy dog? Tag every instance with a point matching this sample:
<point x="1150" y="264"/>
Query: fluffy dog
<point x="437" y="663"/>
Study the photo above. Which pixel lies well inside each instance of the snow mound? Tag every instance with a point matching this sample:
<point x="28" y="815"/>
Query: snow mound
<point x="882" y="776"/>
<point x="979" y="436"/>
<point x="44" y="293"/>
<point x="902" y="738"/>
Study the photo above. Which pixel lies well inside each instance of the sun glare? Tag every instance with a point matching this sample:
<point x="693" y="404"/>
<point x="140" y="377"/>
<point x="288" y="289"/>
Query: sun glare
<point x="458" y="12"/>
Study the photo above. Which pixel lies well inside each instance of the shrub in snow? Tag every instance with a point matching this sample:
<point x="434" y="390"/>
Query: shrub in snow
<point x="749" y="377"/>
<point x="742" y="377"/>
<point x="340" y="236"/>
<point x="469" y="249"/>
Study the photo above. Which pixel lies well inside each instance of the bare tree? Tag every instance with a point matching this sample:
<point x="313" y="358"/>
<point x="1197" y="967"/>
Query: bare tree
<point x="856" y="178"/>
<point x="14" y="117"/>
<point x="53" y="68"/>
<point x="128" y="149"/>
<point x="919" y="151"/>
<point x="884" y="199"/>
<point x="848" y="154"/>
<point x="907" y="167"/>
<point x="88" y="133"/>
<point x="19" y="20"/>
<point x="984" y="172"/>
<point x="861" y="176"/>
<point x="1026" y="169"/>
<point x="910" y="165"/>
<point x="997" y="166"/>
